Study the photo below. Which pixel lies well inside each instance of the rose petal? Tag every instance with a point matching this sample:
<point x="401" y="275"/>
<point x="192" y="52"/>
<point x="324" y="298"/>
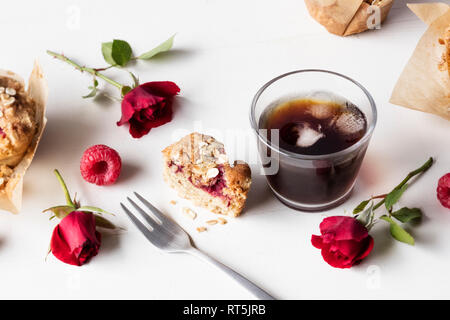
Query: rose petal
<point x="162" y="88"/>
<point x="78" y="227"/>
<point x="135" y="100"/>
<point x="343" y="228"/>
<point x="141" y="128"/>
<point x="316" y="241"/>
<point x="148" y="106"/>
<point x="365" y="251"/>
<point x="335" y="258"/>
<point x="344" y="241"/>
<point x="60" y="249"/>
<point x="349" y="248"/>
<point x="75" y="239"/>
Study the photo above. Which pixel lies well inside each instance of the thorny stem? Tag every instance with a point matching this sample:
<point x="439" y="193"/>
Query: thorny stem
<point x="380" y="196"/>
<point x="94" y="72"/>
<point x="103" y="69"/>
<point x="423" y="168"/>
<point x="66" y="191"/>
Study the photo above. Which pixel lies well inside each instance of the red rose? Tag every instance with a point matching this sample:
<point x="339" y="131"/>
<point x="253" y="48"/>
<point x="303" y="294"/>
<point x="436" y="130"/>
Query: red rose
<point x="344" y="241"/>
<point x="75" y="240"/>
<point x="148" y="106"/>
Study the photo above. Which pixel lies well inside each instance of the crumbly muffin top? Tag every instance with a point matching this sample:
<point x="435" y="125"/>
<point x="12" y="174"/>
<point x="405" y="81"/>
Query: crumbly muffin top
<point x="445" y="40"/>
<point x="17" y="121"/>
<point x="5" y="173"/>
<point x="198" y="149"/>
<point x="200" y="155"/>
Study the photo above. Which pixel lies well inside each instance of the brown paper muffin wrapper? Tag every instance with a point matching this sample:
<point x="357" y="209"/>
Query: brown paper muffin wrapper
<point x="346" y="17"/>
<point x="424" y="84"/>
<point x="11" y="193"/>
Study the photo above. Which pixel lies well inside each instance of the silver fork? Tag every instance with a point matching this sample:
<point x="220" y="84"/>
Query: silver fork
<point x="168" y="236"/>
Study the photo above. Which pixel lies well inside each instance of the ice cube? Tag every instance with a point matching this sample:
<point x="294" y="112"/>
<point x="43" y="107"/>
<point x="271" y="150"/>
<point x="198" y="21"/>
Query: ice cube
<point x="307" y="136"/>
<point x="349" y="122"/>
<point x="321" y="111"/>
<point x="329" y="96"/>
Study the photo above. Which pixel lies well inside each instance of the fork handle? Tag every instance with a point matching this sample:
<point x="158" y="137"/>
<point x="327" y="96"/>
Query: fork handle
<point x="250" y="286"/>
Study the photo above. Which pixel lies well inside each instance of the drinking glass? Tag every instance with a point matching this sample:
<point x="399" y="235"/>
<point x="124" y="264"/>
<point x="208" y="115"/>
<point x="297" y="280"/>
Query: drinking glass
<point x="310" y="182"/>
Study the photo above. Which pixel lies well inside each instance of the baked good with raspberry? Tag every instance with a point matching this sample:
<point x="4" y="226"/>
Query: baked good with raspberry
<point x="197" y="168"/>
<point x="446" y="56"/>
<point x="22" y="122"/>
<point x="17" y="121"/>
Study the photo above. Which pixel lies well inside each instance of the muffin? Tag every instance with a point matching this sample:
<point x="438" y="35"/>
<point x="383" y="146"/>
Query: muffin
<point x="444" y="65"/>
<point x="17" y="121"/>
<point x="197" y="168"/>
<point x="22" y="121"/>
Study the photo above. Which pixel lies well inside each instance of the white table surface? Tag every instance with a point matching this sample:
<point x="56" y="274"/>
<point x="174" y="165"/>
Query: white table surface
<point x="224" y="51"/>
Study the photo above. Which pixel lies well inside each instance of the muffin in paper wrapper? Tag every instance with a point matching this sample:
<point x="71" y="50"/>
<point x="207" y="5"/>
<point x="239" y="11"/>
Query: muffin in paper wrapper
<point x="346" y="17"/>
<point x="424" y="84"/>
<point x="11" y="190"/>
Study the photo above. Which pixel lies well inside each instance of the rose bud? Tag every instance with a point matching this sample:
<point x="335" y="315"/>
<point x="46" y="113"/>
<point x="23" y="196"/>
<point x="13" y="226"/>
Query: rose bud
<point x="148" y="106"/>
<point x="344" y="241"/>
<point x="75" y="240"/>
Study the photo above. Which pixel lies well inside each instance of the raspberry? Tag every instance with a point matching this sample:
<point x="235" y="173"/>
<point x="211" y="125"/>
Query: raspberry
<point x="100" y="165"/>
<point x="443" y="190"/>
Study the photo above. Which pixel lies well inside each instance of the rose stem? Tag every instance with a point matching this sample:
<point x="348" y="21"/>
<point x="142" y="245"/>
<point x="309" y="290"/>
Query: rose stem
<point x="80" y="68"/>
<point x="423" y="168"/>
<point x="63" y="185"/>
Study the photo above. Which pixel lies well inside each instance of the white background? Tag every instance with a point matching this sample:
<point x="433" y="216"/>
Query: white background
<point x="224" y="51"/>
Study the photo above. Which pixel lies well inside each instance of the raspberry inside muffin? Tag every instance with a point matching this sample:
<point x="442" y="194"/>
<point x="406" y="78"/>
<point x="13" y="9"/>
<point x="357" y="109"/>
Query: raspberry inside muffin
<point x="197" y="167"/>
<point x="17" y="121"/>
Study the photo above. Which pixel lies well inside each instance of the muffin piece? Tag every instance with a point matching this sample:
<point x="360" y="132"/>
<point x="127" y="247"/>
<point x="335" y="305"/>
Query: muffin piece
<point x="5" y="173"/>
<point x="198" y="169"/>
<point x="17" y="121"/>
<point x="445" y="40"/>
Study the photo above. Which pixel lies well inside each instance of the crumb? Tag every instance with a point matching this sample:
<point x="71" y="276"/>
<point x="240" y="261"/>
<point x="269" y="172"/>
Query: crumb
<point x="189" y="213"/>
<point x="201" y="229"/>
<point x="211" y="222"/>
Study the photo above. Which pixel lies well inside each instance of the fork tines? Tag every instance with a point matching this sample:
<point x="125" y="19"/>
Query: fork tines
<point x="161" y="226"/>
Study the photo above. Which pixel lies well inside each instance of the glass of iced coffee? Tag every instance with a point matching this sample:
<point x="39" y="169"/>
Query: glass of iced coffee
<point x="313" y="128"/>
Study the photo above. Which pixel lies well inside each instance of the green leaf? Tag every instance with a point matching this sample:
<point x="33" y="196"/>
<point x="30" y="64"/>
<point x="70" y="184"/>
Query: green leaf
<point x="103" y="223"/>
<point x="394" y="196"/>
<point x="397" y="232"/>
<point x="165" y="46"/>
<point x="406" y="214"/>
<point x="60" y="211"/>
<point x="93" y="89"/>
<point x="121" y="52"/>
<point x="107" y="52"/>
<point x="361" y="207"/>
<point x="125" y="90"/>
<point x="94" y="209"/>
